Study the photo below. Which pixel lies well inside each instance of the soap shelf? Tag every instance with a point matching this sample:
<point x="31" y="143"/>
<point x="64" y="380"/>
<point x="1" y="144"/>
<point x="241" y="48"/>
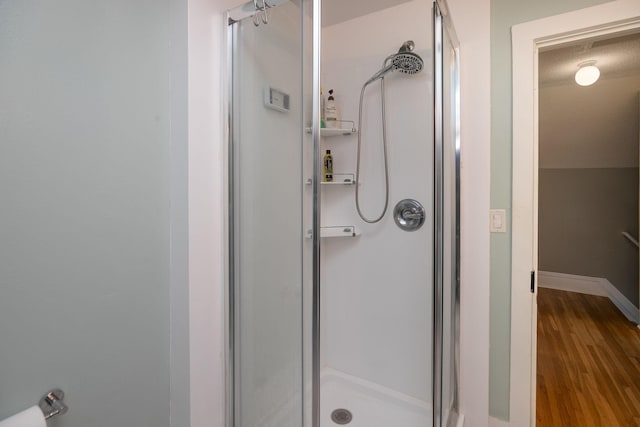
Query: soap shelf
<point x="338" y="179"/>
<point x="335" y="231"/>
<point x="341" y="130"/>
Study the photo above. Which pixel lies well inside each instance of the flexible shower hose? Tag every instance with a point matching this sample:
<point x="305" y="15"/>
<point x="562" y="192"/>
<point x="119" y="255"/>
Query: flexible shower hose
<point x="384" y="146"/>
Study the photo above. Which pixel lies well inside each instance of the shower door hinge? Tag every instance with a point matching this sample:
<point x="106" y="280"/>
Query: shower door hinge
<point x="533" y="281"/>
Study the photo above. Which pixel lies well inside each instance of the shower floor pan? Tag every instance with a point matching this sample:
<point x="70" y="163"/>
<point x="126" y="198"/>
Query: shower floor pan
<point x="370" y="404"/>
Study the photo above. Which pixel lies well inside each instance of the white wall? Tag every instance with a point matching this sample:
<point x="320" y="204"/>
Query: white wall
<point x="377" y="288"/>
<point x="471" y="18"/>
<point x="207" y="123"/>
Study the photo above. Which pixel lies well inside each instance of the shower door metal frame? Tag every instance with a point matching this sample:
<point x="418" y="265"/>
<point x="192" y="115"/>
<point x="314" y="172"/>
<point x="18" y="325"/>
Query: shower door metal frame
<point x="232" y="392"/>
<point x="438" y="214"/>
<point x="315" y="129"/>
<point x="442" y="24"/>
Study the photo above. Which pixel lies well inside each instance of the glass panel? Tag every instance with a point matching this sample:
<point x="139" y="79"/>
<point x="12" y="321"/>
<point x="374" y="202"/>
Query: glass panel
<point x="450" y="230"/>
<point x="268" y="229"/>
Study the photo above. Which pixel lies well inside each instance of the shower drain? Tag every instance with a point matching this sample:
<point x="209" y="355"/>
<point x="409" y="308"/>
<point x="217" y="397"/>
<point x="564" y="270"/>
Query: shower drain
<point x="341" y="416"/>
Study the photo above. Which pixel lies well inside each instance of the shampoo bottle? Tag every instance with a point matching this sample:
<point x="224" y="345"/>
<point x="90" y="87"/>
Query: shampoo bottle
<point x="331" y="112"/>
<point x="328" y="167"/>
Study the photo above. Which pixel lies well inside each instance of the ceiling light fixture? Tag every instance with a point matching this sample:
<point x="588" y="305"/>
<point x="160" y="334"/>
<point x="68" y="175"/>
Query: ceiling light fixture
<point x="588" y="73"/>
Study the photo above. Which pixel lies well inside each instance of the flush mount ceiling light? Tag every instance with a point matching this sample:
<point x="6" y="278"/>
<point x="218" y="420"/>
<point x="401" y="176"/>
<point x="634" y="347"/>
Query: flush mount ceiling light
<point x="588" y="73"/>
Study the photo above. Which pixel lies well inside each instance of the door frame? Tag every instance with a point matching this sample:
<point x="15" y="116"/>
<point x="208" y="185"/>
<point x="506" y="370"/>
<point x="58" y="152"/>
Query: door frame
<point x="527" y="40"/>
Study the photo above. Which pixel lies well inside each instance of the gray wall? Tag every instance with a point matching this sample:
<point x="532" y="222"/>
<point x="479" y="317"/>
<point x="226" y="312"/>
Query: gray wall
<point x="504" y="14"/>
<point x="85" y="140"/>
<point x="582" y="213"/>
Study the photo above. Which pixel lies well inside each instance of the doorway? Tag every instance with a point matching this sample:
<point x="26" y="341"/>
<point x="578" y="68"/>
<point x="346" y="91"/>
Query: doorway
<point x="588" y="213"/>
<point x="596" y="21"/>
<point x="588" y="168"/>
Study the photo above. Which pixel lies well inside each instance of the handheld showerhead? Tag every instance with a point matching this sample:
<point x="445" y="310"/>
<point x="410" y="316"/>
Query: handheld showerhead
<point x="404" y="61"/>
<point x="407" y="63"/>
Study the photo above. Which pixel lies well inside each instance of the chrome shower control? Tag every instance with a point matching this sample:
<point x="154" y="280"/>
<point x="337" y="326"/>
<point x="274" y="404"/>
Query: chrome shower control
<point x="409" y="214"/>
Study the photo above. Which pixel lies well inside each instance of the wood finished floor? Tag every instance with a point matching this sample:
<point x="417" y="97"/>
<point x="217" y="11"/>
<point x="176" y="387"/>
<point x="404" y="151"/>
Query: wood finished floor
<point x="588" y="370"/>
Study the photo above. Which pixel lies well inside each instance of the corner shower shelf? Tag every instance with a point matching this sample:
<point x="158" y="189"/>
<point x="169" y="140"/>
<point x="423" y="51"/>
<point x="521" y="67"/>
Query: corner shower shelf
<point x="342" y="130"/>
<point x="336" y="231"/>
<point x="338" y="179"/>
<point x="336" y="131"/>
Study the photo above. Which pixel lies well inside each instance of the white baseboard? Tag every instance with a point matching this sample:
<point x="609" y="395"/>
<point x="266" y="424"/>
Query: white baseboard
<point x="571" y="283"/>
<point x="624" y="305"/>
<point x="592" y="286"/>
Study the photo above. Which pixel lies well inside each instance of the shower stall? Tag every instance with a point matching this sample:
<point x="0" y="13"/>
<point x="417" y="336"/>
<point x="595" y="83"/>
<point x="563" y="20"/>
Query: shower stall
<point x="343" y="294"/>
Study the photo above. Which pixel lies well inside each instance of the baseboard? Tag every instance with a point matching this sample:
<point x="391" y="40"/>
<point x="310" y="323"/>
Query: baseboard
<point x="592" y="286"/>
<point x="624" y="305"/>
<point x="495" y="422"/>
<point x="571" y="283"/>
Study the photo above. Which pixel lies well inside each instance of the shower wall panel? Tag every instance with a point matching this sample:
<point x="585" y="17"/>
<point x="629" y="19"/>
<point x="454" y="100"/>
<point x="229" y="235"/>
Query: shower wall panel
<point x="377" y="288"/>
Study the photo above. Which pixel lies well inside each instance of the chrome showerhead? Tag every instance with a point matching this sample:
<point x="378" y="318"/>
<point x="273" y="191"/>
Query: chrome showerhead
<point x="404" y="61"/>
<point x="407" y="63"/>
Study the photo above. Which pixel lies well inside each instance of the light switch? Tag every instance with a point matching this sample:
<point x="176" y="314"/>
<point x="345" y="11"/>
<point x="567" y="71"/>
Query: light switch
<point x="498" y="221"/>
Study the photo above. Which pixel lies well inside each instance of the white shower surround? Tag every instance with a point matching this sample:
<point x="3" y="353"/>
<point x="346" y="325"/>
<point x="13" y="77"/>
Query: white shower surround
<point x="377" y="288"/>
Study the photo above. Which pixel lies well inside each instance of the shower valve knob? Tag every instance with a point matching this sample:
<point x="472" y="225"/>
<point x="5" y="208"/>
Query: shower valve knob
<point x="409" y="215"/>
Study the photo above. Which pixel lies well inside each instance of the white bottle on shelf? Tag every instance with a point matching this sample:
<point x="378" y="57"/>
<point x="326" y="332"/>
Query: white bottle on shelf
<point x="331" y="112"/>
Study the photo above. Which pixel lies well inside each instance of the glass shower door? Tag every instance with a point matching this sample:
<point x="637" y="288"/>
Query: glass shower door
<point x="266" y="229"/>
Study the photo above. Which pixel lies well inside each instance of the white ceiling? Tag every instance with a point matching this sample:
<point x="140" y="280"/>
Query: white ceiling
<point x="614" y="57"/>
<point x="595" y="126"/>
<point x="336" y="11"/>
